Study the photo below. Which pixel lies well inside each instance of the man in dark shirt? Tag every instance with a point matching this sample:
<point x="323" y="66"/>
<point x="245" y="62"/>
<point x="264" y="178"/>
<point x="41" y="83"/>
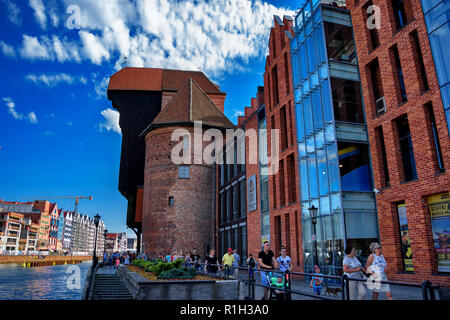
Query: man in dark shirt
<point x="267" y="262"/>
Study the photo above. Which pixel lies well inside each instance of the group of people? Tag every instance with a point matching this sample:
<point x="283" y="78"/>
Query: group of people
<point x="113" y="259"/>
<point x="271" y="269"/>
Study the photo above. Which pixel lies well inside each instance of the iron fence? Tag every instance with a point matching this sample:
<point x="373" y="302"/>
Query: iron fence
<point x="426" y="287"/>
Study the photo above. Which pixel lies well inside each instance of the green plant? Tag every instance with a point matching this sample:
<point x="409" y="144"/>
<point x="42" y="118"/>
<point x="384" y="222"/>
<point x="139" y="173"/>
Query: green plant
<point x="178" y="273"/>
<point x="163" y="266"/>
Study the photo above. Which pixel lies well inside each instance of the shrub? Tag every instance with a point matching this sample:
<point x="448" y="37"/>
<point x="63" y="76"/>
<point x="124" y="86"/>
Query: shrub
<point x="163" y="266"/>
<point x="178" y="273"/>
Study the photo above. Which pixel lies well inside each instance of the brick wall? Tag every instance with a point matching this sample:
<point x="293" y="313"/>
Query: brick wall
<point x="189" y="223"/>
<point x="429" y="181"/>
<point x="283" y="187"/>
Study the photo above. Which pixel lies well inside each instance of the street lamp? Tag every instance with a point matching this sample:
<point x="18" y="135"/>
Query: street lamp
<point x="96" y="222"/>
<point x="313" y="212"/>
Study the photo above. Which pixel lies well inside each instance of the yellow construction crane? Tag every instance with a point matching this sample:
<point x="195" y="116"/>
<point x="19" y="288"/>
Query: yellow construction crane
<point x="77" y="198"/>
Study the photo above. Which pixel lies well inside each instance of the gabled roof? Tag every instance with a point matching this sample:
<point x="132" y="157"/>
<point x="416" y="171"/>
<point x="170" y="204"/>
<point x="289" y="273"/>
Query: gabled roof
<point x="154" y="79"/>
<point x="190" y="104"/>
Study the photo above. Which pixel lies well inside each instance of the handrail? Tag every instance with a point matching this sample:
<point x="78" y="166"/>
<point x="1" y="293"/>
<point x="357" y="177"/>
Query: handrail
<point x="427" y="287"/>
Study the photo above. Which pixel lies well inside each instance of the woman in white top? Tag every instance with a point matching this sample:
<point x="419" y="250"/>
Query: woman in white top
<point x="376" y="265"/>
<point x="353" y="270"/>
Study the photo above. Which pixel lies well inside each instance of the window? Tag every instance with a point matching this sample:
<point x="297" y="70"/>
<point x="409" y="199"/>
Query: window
<point x="404" y="237"/>
<point x="398" y="74"/>
<point x="354" y="166"/>
<point x="275" y="86"/>
<point x="384" y="172"/>
<point x="406" y="149"/>
<point x="373" y="32"/>
<point x="347" y="101"/>
<point x="399" y="13"/>
<point x="242" y="193"/>
<point x="274" y="191"/>
<point x="420" y="66"/>
<point x="377" y="87"/>
<point x="235" y="201"/>
<point x="439" y="205"/>
<point x="229" y="205"/>
<point x="339" y="40"/>
<point x="291" y="179"/>
<point x="434" y="137"/>
<point x="286" y="72"/>
<point x="283" y="128"/>
<point x="281" y="182"/>
<point x="183" y="172"/>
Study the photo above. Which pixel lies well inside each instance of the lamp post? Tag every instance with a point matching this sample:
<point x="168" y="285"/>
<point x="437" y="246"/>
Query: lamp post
<point x="313" y="211"/>
<point x="96" y="222"/>
<point x="105" y="233"/>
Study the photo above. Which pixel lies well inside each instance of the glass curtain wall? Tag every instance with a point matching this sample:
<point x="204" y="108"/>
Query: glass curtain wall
<point x="327" y="166"/>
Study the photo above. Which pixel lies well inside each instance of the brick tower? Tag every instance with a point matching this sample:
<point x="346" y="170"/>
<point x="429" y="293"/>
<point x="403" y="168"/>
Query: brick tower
<point x="179" y="199"/>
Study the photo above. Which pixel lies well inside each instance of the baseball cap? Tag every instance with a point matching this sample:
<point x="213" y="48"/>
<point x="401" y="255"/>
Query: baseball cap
<point x="316" y="266"/>
<point x="229" y="249"/>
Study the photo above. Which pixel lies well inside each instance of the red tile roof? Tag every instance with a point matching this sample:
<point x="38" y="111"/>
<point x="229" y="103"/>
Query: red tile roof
<point x="154" y="79"/>
<point x="191" y="104"/>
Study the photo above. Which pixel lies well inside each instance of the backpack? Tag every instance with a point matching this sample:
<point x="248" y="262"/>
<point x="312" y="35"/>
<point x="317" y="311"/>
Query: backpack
<point x="251" y="262"/>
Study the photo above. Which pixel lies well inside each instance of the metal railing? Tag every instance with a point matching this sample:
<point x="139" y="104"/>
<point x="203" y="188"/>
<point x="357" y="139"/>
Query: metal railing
<point x="426" y="287"/>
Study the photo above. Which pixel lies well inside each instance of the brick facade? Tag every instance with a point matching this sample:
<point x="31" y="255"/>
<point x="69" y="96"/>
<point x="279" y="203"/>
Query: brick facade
<point x="280" y="114"/>
<point x="187" y="224"/>
<point x="429" y="180"/>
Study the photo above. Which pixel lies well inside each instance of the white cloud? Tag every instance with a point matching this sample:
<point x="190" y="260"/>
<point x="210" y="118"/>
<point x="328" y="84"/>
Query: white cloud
<point x="19" y="116"/>
<point x="238" y="114"/>
<point x="12" y="12"/>
<point x="39" y="12"/>
<point x="7" y="50"/>
<point x="214" y="36"/>
<point x="93" y="48"/>
<point x="55" y="79"/>
<point x="111" y="121"/>
<point x="32" y="117"/>
<point x="69" y="124"/>
<point x="33" y="49"/>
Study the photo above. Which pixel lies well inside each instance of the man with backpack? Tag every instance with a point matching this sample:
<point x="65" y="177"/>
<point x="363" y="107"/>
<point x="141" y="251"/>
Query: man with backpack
<point x="251" y="263"/>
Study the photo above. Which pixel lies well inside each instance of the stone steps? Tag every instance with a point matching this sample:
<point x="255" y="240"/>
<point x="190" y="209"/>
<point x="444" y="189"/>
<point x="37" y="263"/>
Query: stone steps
<point x="109" y="287"/>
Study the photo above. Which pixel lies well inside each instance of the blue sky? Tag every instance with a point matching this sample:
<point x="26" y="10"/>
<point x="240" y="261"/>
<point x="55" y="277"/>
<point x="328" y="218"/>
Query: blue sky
<point x="58" y="133"/>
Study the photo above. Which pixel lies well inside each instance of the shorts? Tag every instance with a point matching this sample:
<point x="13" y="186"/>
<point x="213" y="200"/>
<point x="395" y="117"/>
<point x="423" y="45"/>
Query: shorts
<point x="264" y="280"/>
<point x="317" y="290"/>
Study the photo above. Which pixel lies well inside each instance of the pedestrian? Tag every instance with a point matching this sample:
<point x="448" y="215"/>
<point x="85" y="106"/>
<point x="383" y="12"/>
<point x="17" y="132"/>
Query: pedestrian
<point x="236" y="263"/>
<point x="266" y="262"/>
<point x="117" y="263"/>
<point x="376" y="266"/>
<point x="227" y="261"/>
<point x="284" y="261"/>
<point x="252" y="264"/>
<point x="189" y="260"/>
<point x="105" y="258"/>
<point x="126" y="259"/>
<point x="168" y="258"/>
<point x="195" y="257"/>
<point x="353" y="270"/>
<point x="316" y="281"/>
<point x="212" y="263"/>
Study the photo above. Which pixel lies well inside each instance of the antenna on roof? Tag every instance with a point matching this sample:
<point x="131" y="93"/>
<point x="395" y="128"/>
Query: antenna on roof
<point x="124" y="63"/>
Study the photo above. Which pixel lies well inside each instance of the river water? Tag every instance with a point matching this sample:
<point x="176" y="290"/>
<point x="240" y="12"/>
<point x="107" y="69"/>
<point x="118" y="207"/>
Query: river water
<point x="60" y="282"/>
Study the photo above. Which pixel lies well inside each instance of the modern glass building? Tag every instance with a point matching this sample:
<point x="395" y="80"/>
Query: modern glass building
<point x="334" y="163"/>
<point x="437" y="19"/>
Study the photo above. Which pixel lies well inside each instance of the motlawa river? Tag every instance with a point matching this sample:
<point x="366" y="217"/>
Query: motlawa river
<point x="60" y="282"/>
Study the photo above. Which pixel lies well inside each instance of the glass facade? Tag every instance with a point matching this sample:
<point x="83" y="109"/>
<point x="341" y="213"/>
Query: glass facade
<point x="329" y="166"/>
<point x="437" y="19"/>
<point x="232" y="213"/>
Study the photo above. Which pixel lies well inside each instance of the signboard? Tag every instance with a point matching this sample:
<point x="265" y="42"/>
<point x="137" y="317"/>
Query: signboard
<point x="404" y="234"/>
<point x="439" y="206"/>
<point x="251" y="193"/>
